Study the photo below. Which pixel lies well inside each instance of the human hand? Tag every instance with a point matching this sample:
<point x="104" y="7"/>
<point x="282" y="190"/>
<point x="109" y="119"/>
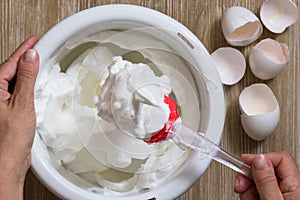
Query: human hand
<point x="275" y="176"/>
<point x="17" y="118"/>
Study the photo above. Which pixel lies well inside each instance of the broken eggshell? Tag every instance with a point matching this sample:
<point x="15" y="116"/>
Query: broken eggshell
<point x="240" y="26"/>
<point x="230" y="64"/>
<point x="277" y="15"/>
<point x="260" y="111"/>
<point x="268" y="58"/>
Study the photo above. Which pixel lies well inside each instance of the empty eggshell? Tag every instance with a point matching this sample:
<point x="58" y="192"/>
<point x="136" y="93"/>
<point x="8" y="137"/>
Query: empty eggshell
<point x="230" y="64"/>
<point x="240" y="26"/>
<point x="260" y="111"/>
<point x="268" y="58"/>
<point x="277" y="15"/>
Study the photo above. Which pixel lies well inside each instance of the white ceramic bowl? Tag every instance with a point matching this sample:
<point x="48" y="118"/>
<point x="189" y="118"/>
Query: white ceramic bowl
<point x="182" y="42"/>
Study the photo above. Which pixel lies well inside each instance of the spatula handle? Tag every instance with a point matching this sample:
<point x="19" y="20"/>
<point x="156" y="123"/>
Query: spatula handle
<point x="186" y="137"/>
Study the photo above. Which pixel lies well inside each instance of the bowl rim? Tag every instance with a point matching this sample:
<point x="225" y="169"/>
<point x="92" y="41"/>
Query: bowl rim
<point x="50" y="177"/>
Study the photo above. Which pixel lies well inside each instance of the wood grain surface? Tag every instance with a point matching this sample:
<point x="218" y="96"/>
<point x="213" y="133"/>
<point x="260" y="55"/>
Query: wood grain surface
<point x="22" y="18"/>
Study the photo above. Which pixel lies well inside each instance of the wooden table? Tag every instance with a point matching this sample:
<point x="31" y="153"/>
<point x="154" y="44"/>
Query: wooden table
<point x="22" y="18"/>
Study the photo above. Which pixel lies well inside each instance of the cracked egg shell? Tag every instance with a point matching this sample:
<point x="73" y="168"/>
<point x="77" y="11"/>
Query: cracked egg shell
<point x="260" y="111"/>
<point x="277" y="15"/>
<point x="240" y="26"/>
<point x="230" y="64"/>
<point x="268" y="58"/>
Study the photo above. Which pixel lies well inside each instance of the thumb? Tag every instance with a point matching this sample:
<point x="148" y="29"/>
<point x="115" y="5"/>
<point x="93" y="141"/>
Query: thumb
<point x="26" y="74"/>
<point x="265" y="179"/>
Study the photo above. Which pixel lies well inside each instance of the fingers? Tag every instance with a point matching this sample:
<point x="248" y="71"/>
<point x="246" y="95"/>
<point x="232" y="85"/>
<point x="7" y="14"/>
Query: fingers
<point x="26" y="75"/>
<point x="265" y="183"/>
<point x="8" y="68"/>
<point x="284" y="163"/>
<point x="245" y="187"/>
<point x="286" y="171"/>
<point x="241" y="183"/>
<point x="250" y="194"/>
<point x="4" y="94"/>
<point x="248" y="158"/>
<point x="287" y="175"/>
<point x="265" y="179"/>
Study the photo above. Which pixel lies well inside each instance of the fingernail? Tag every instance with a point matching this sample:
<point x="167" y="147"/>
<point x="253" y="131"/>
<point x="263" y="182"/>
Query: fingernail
<point x="261" y="163"/>
<point x="30" y="56"/>
<point x="237" y="181"/>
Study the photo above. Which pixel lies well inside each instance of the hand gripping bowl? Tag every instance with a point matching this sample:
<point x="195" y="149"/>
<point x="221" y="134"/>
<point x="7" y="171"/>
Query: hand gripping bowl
<point x="208" y="118"/>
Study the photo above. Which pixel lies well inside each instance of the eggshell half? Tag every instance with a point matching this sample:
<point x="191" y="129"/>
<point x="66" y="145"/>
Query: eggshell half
<point x="230" y="64"/>
<point x="277" y="15"/>
<point x="260" y="111"/>
<point x="268" y="58"/>
<point x="240" y="26"/>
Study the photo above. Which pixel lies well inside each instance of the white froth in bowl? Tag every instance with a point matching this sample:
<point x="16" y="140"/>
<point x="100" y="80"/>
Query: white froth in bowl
<point x="76" y="154"/>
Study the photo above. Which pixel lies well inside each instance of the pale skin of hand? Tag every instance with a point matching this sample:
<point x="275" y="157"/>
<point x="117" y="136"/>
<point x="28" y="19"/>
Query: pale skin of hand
<point x="275" y="177"/>
<point x="17" y="118"/>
